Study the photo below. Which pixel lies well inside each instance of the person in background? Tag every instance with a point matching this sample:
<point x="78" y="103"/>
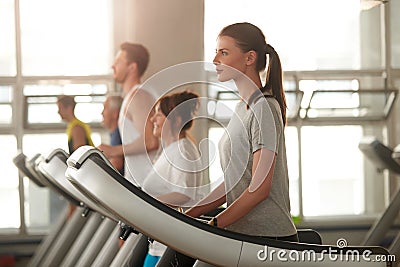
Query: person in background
<point x="78" y="132"/>
<point x="139" y="145"/>
<point x="111" y="109"/>
<point x="177" y="178"/>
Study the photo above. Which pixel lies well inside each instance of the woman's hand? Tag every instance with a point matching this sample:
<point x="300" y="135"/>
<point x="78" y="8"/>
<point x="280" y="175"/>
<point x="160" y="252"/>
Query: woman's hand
<point x="213" y="200"/>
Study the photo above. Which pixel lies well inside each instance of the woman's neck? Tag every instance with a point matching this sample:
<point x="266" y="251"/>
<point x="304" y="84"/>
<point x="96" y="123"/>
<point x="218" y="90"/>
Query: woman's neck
<point x="167" y="140"/>
<point x="247" y="85"/>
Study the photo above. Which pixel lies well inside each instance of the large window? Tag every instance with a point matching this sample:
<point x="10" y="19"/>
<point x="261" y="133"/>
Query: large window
<point x="308" y="35"/>
<point x="8" y="65"/>
<point x="6" y="93"/>
<point x="9" y="197"/>
<point x="332" y="163"/>
<point x="48" y="48"/>
<point x="66" y="37"/>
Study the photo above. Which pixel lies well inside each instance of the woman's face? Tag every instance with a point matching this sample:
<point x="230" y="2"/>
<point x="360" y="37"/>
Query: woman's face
<point x="229" y="54"/>
<point x="160" y="122"/>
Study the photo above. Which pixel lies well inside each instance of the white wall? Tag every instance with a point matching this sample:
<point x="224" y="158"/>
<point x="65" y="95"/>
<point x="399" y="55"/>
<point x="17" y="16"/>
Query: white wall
<point x="172" y="30"/>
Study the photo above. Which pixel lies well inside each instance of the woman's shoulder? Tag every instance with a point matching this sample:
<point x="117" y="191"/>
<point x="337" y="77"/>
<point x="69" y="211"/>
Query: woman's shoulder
<point x="188" y="146"/>
<point x="183" y="156"/>
<point x="183" y="149"/>
<point x="265" y="105"/>
<point x="266" y="100"/>
<point x="266" y="109"/>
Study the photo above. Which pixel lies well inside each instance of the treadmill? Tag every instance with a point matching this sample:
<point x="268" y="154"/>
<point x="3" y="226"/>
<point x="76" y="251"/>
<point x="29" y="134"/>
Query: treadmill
<point x="98" y="231"/>
<point x="132" y="251"/>
<point x="93" y="176"/>
<point x="383" y="158"/>
<point x="94" y="234"/>
<point x="54" y="248"/>
<point x="22" y="162"/>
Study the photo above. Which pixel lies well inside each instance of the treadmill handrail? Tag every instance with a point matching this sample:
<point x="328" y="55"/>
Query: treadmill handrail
<point x="375" y="250"/>
<point x="20" y="162"/>
<point x="58" y="152"/>
<point x="380" y="154"/>
<point x="54" y="185"/>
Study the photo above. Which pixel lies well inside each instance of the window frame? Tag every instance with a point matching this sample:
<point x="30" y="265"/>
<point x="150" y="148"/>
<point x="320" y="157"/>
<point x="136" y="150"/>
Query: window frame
<point x="299" y="121"/>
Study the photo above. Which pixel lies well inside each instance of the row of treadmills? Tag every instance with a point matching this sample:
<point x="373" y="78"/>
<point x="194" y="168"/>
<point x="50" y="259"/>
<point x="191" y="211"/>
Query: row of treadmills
<point x="109" y="208"/>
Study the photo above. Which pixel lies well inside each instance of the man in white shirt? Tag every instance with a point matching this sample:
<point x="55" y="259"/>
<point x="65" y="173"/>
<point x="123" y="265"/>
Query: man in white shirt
<point x="138" y="143"/>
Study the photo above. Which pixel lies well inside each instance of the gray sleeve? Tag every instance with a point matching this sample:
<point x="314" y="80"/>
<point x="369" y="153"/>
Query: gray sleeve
<point x="264" y="127"/>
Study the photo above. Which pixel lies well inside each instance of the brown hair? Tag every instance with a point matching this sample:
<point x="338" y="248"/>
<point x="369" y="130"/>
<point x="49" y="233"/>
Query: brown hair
<point x="249" y="37"/>
<point x="183" y="105"/>
<point x="66" y="100"/>
<point x="136" y="53"/>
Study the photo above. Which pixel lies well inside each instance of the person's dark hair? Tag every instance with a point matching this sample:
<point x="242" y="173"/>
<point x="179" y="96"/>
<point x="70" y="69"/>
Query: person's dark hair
<point x="183" y="105"/>
<point x="66" y="100"/>
<point x="249" y="37"/>
<point x="136" y="53"/>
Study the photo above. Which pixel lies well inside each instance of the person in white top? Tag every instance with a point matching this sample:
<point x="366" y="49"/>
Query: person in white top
<point x="138" y="144"/>
<point x="177" y="178"/>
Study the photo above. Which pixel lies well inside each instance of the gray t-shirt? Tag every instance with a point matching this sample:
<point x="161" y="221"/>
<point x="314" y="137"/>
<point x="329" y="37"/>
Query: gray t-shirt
<point x="249" y="130"/>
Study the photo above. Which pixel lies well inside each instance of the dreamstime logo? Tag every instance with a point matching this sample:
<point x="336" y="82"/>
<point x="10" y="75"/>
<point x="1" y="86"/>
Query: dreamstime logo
<point x="341" y="243"/>
<point x="195" y="76"/>
<point x="326" y="254"/>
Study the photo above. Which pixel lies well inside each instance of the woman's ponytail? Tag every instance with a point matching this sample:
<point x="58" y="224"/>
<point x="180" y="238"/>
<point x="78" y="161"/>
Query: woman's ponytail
<point x="274" y="80"/>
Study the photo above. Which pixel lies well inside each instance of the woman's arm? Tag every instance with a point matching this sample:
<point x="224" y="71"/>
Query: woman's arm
<point x="213" y="200"/>
<point x="262" y="173"/>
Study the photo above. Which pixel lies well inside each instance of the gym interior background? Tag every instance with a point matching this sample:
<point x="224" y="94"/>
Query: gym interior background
<point x="341" y="62"/>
